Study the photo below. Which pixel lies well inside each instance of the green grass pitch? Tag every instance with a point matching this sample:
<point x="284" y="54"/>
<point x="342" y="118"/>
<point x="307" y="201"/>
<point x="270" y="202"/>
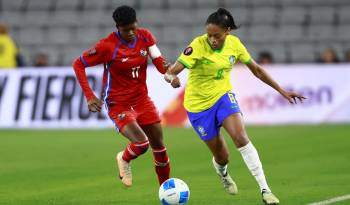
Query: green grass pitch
<point x="303" y="164"/>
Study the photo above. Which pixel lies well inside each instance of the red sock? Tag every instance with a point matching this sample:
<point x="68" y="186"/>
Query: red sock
<point x="133" y="150"/>
<point x="162" y="164"/>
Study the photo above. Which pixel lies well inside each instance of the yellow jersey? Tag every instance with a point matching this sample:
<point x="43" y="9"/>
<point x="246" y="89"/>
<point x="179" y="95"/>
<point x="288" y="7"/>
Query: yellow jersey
<point x="8" y="52"/>
<point x="209" y="70"/>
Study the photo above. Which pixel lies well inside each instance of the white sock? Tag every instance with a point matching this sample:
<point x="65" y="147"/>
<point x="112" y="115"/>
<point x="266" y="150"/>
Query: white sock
<point x="251" y="159"/>
<point x="220" y="169"/>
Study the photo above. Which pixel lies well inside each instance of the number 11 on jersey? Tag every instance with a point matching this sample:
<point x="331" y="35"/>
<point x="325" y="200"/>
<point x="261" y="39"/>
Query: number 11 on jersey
<point x="135" y="72"/>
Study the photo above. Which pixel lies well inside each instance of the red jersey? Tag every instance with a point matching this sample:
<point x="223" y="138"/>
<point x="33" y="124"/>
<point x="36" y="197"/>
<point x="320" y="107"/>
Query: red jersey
<point x="125" y="64"/>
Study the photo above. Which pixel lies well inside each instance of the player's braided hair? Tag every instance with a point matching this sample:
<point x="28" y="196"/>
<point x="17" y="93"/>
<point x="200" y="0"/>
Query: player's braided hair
<point x="124" y="15"/>
<point x="223" y="18"/>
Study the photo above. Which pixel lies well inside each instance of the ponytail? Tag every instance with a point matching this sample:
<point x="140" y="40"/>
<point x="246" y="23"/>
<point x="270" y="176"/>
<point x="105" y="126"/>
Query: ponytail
<point x="223" y="18"/>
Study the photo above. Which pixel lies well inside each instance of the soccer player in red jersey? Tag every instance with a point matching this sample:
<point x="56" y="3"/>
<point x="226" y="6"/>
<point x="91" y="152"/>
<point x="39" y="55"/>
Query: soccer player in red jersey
<point x="124" y="54"/>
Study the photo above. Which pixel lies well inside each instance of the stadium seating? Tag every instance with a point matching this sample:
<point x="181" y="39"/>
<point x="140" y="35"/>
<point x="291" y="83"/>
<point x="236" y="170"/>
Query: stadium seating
<point x="292" y="27"/>
<point x="301" y="52"/>
<point x="293" y="15"/>
<point x="264" y="15"/>
<point x="63" y="5"/>
<point x="290" y="33"/>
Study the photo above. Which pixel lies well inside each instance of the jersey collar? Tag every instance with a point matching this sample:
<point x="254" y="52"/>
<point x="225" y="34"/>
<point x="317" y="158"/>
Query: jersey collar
<point x="130" y="45"/>
<point x="216" y="50"/>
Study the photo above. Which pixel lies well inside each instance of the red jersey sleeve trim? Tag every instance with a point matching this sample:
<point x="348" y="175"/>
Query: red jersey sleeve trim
<point x="84" y="61"/>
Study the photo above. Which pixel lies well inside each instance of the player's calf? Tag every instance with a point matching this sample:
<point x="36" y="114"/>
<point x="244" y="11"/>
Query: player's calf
<point x="162" y="164"/>
<point x="135" y="149"/>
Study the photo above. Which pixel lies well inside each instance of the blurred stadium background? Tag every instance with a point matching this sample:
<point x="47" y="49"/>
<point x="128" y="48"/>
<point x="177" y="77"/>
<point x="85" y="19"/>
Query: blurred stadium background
<point x="304" y="148"/>
<point x="293" y="31"/>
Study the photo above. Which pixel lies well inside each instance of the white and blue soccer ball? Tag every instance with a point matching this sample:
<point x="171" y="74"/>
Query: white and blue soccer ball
<point x="174" y="192"/>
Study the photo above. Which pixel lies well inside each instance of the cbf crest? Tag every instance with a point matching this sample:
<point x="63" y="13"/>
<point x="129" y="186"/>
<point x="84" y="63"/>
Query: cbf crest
<point x="232" y="59"/>
<point x="201" y="130"/>
<point x="143" y="53"/>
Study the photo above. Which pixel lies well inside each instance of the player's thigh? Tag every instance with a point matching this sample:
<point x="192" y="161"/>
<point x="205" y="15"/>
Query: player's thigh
<point x="205" y="124"/>
<point x="124" y="120"/>
<point x="155" y="135"/>
<point x="134" y="132"/>
<point x="218" y="148"/>
<point x="147" y="113"/>
<point x="234" y="126"/>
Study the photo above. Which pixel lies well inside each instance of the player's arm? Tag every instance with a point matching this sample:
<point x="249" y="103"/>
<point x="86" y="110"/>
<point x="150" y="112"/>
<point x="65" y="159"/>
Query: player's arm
<point x="157" y="59"/>
<point x="91" y="57"/>
<point x="260" y="73"/>
<point x="171" y="75"/>
<point x="186" y="60"/>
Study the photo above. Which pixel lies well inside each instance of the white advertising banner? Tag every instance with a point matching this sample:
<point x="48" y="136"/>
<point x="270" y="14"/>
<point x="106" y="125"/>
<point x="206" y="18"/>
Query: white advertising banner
<point x="51" y="97"/>
<point x="326" y="87"/>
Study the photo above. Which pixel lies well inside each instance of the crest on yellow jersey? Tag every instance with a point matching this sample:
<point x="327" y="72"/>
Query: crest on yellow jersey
<point x="232" y="59"/>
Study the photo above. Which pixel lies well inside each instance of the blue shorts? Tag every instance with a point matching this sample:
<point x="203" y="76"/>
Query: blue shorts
<point x="208" y="122"/>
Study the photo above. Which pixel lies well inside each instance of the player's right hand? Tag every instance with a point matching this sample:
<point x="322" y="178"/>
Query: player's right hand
<point x="166" y="65"/>
<point x="94" y="105"/>
<point x="292" y="97"/>
<point x="175" y="83"/>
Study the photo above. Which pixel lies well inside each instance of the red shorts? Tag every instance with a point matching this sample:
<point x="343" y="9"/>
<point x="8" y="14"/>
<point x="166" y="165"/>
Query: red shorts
<point x="144" y="113"/>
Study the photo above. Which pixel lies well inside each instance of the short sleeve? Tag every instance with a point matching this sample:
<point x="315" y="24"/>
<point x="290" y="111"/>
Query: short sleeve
<point x="98" y="54"/>
<point x="244" y="55"/>
<point x="191" y="54"/>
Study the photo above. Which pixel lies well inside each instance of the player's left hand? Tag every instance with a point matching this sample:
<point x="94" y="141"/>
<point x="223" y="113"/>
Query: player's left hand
<point x="292" y="97"/>
<point x="95" y="105"/>
<point x="175" y="83"/>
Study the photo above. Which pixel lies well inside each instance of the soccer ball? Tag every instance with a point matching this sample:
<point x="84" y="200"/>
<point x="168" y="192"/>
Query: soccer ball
<point x="174" y="192"/>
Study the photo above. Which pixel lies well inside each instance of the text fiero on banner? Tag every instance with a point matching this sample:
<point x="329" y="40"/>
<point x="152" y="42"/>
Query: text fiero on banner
<point x="52" y="98"/>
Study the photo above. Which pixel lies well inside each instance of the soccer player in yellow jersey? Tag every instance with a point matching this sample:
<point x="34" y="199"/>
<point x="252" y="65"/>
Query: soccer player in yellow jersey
<point x="210" y="103"/>
<point x="8" y="49"/>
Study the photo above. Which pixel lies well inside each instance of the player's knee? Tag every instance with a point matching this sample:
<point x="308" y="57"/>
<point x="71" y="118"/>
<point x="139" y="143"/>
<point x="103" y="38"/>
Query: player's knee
<point x="241" y="138"/>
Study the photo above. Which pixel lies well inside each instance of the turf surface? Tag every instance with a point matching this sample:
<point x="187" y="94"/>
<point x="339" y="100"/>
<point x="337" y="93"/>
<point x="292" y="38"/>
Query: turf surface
<point x="303" y="164"/>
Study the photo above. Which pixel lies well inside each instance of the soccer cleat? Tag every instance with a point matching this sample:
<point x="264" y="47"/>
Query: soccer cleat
<point x="124" y="170"/>
<point x="229" y="185"/>
<point x="269" y="198"/>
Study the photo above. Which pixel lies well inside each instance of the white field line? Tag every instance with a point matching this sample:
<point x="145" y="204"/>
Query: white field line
<point x="332" y="200"/>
